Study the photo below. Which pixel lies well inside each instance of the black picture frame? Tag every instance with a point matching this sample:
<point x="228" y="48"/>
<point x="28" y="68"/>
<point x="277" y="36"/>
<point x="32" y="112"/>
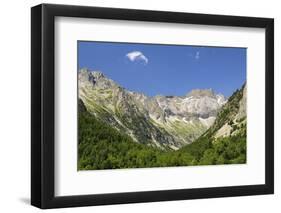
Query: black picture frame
<point x="43" y="102"/>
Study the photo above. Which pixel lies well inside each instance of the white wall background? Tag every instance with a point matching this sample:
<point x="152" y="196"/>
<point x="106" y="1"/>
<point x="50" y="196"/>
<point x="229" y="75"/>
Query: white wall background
<point x="15" y="106"/>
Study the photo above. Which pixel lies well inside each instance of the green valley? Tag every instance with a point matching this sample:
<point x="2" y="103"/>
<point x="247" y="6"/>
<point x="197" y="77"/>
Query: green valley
<point x="101" y="146"/>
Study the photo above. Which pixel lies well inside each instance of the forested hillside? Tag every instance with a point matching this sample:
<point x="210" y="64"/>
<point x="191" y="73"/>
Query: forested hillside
<point x="104" y="147"/>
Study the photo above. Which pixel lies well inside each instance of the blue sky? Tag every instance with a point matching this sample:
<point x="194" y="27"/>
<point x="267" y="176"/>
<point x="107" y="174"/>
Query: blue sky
<point x="166" y="69"/>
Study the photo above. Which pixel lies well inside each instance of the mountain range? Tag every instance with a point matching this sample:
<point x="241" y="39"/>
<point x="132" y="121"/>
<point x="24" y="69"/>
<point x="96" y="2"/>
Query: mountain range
<point x="166" y="122"/>
<point x="201" y="127"/>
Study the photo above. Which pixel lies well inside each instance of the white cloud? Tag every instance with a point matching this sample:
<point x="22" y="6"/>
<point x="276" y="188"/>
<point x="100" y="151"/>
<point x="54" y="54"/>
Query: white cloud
<point x="137" y="56"/>
<point x="197" y="55"/>
<point x="194" y="55"/>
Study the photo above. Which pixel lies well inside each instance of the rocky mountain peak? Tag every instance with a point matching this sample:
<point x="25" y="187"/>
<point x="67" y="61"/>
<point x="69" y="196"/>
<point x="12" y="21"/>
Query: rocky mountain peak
<point x="201" y="92"/>
<point x="90" y="73"/>
<point x="95" y="78"/>
<point x="97" y="74"/>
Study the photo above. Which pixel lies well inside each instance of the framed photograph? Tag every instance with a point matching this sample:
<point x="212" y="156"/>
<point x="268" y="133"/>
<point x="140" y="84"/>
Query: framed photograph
<point x="139" y="106"/>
